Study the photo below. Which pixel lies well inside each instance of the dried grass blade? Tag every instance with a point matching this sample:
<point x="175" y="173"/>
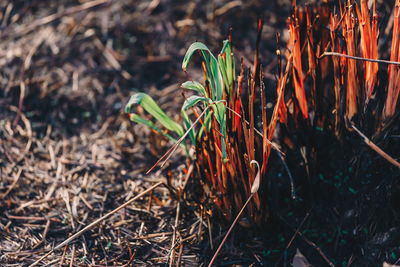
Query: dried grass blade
<point x="297" y="68"/>
<point x="336" y="70"/>
<point x="311" y="56"/>
<point x="237" y="124"/>
<point x="282" y="107"/>
<point x="281" y="90"/>
<point x="368" y="47"/>
<point x="375" y="147"/>
<point x="264" y="124"/>
<point x="393" y="87"/>
<point x="352" y="85"/>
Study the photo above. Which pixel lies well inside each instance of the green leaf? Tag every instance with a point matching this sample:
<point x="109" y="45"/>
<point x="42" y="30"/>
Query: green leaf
<point x="222" y="66"/>
<point x="189" y="53"/>
<point x="192" y="100"/>
<point x="220" y="116"/>
<point x="224" y="155"/>
<point x="188" y="124"/>
<point x="219" y="111"/>
<point x="227" y="65"/>
<point x="153" y="109"/>
<point x="217" y="77"/>
<point x="220" y="74"/>
<point x="210" y="77"/>
<point x="136" y="118"/>
<point x="196" y="86"/>
<point x="230" y="66"/>
<point x="226" y="48"/>
<point x="206" y="124"/>
<point x="213" y="71"/>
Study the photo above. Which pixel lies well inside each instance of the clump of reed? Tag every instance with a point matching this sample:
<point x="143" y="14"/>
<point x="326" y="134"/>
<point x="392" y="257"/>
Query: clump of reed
<point x="336" y="81"/>
<point x="339" y="49"/>
<point x="330" y="83"/>
<point x="225" y="137"/>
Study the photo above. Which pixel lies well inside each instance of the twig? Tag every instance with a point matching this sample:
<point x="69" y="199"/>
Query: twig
<point x="45" y="231"/>
<point x="34" y="202"/>
<point x="375" y="147"/>
<point x="299" y="233"/>
<point x="291" y="240"/>
<point x="45" y="20"/>
<point x="297" y="230"/>
<point x="63" y="256"/>
<point x="180" y="255"/>
<point x="172" y="254"/>
<point x="154" y="235"/>
<point x="32" y="218"/>
<point x="22" y="90"/>
<point x="130" y="260"/>
<point x="25" y="121"/>
<point x="111" y="59"/>
<point x="210" y="232"/>
<point x="41" y="258"/>
<point x="359" y="58"/>
<point x="16" y="178"/>
<point x="222" y="10"/>
<point x="102" y="130"/>
<point x="316" y="248"/>
<point x="71" y="264"/>
<point x="7" y="14"/>
<point x="96" y="222"/>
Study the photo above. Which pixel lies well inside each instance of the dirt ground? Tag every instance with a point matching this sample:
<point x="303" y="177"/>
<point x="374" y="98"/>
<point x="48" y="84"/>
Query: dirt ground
<point x="69" y="155"/>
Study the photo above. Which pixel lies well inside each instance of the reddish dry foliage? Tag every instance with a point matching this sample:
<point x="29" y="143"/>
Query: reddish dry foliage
<point x="394" y="85"/>
<point x="305" y="103"/>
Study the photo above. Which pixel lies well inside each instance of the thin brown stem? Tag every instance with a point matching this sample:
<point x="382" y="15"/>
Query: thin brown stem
<point x="360" y="58"/>
<point x="375" y="147"/>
